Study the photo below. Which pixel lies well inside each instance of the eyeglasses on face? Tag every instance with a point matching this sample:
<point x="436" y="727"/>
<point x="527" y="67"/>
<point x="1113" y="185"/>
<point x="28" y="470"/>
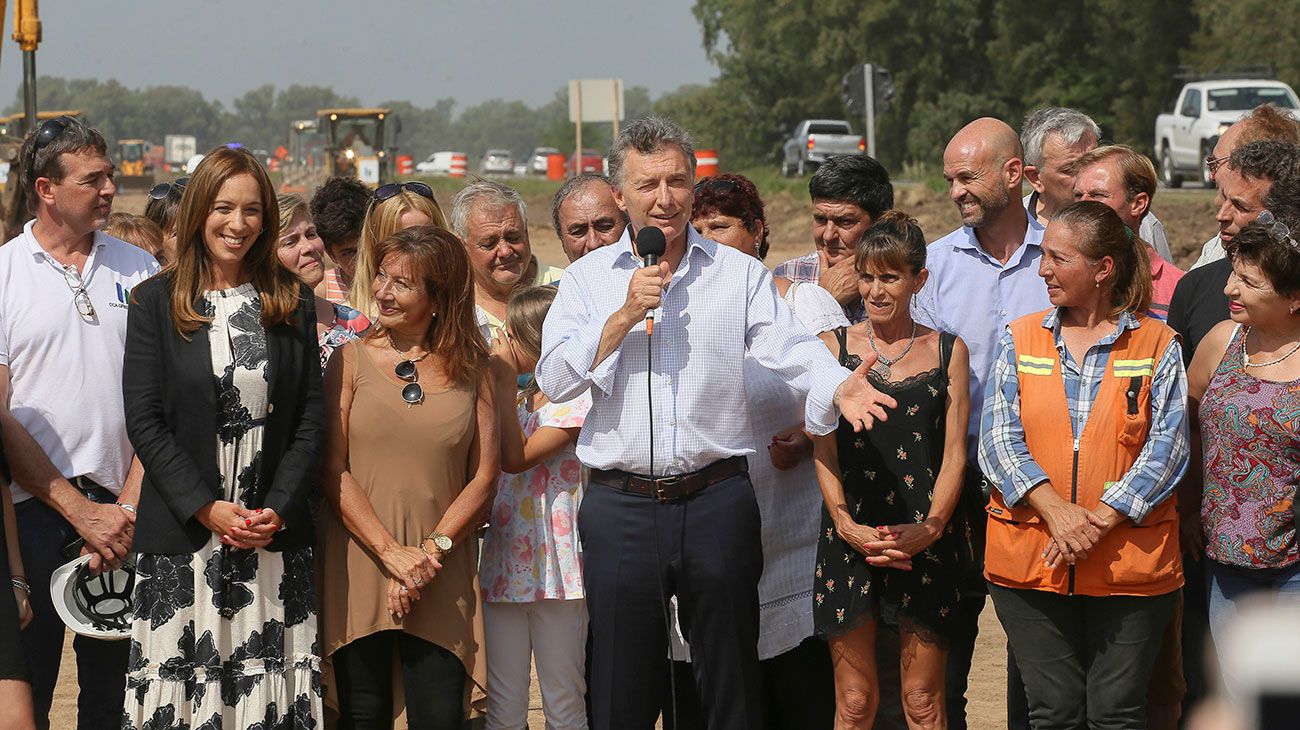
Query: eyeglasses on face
<point x="1212" y="163"/>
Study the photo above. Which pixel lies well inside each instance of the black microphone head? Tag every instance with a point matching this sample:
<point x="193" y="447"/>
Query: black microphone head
<point x="650" y="242"/>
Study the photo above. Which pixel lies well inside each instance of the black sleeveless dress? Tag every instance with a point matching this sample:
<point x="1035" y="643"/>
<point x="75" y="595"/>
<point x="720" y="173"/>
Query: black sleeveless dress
<point x="888" y="475"/>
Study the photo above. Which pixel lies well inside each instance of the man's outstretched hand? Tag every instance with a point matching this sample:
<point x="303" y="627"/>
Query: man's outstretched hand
<point x="859" y="401"/>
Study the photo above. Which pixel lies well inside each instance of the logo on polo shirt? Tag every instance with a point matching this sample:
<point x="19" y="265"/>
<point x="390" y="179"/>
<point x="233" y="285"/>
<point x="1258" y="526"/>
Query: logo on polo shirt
<point x="123" y="296"/>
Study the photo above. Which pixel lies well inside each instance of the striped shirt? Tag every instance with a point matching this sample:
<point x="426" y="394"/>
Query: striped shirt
<point x="1164" y="280"/>
<point x="719" y="305"/>
<point x="1004" y="457"/>
<point x="336" y="292"/>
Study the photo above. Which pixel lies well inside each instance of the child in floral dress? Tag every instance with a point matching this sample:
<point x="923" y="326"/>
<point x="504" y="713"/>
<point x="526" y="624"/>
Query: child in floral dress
<point x="531" y="572"/>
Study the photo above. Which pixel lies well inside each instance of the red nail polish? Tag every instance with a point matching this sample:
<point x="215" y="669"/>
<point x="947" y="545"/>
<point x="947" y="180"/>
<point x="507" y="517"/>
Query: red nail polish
<point x="248" y="523"/>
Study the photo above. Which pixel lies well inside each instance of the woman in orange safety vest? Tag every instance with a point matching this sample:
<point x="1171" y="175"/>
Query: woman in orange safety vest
<point x="1084" y="436"/>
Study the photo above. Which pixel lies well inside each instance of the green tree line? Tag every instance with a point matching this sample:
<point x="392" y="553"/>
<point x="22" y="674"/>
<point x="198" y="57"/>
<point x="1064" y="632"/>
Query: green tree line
<point x="780" y="61"/>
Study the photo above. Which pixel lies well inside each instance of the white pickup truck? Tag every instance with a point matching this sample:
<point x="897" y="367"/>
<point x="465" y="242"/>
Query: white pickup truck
<point x="1186" y="136"/>
<point x="813" y="140"/>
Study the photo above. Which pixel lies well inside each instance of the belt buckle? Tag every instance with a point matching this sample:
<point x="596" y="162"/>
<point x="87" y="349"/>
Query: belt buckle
<point x="661" y="482"/>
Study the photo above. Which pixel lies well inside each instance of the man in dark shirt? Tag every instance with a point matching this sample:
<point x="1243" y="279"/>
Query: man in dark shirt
<point x="1246" y="184"/>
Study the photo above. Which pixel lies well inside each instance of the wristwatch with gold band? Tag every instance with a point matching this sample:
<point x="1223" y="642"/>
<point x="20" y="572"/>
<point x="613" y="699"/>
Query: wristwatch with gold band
<point x="441" y="542"/>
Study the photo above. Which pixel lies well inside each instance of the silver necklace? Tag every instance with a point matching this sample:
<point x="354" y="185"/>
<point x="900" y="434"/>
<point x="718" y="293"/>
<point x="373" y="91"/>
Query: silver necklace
<point x="882" y="362"/>
<point x="1245" y="356"/>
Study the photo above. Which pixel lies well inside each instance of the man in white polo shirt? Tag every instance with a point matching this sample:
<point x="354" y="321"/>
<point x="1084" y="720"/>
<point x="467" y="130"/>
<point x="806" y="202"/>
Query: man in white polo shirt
<point x="64" y="288"/>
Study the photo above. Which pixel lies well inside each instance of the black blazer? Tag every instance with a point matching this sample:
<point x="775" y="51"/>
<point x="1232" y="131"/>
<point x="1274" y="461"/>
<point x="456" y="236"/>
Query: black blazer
<point x="171" y="419"/>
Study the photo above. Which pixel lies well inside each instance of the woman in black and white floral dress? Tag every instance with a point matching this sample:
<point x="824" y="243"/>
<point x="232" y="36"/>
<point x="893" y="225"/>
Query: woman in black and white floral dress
<point x="224" y="408"/>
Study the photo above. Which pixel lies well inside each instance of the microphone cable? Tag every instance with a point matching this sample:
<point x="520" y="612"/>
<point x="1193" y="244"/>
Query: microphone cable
<point x="671" y="723"/>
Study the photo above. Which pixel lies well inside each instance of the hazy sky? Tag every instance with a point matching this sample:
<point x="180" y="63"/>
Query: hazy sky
<point x="421" y="50"/>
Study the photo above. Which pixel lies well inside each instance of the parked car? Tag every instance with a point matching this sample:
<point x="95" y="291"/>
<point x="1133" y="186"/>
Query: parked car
<point x="592" y="161"/>
<point x="813" y="140"/>
<point x="438" y="163"/>
<point x="537" y="160"/>
<point x="497" y="162"/>
<point x="1185" y="136"/>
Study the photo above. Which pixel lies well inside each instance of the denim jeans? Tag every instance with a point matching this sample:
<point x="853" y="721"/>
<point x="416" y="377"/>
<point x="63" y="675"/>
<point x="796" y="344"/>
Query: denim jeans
<point x="101" y="665"/>
<point x="1227" y="585"/>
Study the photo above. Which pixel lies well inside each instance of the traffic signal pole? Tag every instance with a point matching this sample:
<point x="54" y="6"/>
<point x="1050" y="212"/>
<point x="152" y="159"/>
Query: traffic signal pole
<point x="869" y="87"/>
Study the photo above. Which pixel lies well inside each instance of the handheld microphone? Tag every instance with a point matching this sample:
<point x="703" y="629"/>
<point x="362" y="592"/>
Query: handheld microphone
<point x="650" y="244"/>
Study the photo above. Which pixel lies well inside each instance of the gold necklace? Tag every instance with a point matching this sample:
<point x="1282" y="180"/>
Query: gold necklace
<point x="403" y="355"/>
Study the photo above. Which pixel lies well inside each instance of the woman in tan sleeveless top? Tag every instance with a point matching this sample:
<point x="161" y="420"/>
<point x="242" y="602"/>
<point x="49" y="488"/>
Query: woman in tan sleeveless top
<point x="409" y="468"/>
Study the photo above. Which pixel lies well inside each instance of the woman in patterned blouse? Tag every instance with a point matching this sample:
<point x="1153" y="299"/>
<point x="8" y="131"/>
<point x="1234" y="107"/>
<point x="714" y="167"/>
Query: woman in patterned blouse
<point x="1246" y="379"/>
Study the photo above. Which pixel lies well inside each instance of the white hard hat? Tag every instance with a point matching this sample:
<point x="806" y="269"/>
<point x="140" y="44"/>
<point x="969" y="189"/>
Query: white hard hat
<point x="98" y="606"/>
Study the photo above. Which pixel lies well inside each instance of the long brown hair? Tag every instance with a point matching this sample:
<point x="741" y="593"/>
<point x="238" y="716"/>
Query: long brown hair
<point x="191" y="272"/>
<point x="438" y="259"/>
<point x="1101" y="233"/>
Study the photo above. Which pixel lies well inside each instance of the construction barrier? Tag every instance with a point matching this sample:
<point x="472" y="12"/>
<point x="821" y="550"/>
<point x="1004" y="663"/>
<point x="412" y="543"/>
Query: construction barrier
<point x="706" y="163"/>
<point x="459" y="164"/>
<point x="555" y="167"/>
<point x="405" y="165"/>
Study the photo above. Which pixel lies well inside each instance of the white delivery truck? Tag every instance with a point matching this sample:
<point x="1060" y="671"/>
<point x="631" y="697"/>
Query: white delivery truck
<point x="178" y="149"/>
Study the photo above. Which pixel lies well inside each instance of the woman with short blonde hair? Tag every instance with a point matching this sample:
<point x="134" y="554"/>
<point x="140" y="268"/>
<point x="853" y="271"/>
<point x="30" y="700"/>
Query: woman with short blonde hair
<point x="393" y="207"/>
<point x="301" y="251"/>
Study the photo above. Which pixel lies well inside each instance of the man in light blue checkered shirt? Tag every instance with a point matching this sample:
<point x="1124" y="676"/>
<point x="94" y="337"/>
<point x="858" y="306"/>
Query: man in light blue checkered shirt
<point x="679" y="517"/>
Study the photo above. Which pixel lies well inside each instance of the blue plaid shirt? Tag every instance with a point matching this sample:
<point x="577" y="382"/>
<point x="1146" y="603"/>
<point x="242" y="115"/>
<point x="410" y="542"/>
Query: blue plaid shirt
<point x="1004" y="456"/>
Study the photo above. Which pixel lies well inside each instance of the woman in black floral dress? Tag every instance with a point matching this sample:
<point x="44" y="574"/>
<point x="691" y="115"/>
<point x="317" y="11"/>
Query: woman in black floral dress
<point x="223" y="404"/>
<point x="886" y="547"/>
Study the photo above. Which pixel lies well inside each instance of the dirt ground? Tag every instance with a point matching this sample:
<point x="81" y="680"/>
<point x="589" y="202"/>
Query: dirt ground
<point x="1188" y="216"/>
<point x="986" y="695"/>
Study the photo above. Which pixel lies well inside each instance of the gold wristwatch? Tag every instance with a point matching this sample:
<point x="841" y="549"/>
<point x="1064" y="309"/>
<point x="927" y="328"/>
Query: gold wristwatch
<point x="441" y="542"/>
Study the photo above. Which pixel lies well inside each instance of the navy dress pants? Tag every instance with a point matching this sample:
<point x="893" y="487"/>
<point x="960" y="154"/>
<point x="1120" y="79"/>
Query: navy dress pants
<point x="706" y="550"/>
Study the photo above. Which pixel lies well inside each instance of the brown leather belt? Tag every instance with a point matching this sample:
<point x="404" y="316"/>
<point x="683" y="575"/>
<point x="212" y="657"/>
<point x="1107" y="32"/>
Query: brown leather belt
<point x="668" y="489"/>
